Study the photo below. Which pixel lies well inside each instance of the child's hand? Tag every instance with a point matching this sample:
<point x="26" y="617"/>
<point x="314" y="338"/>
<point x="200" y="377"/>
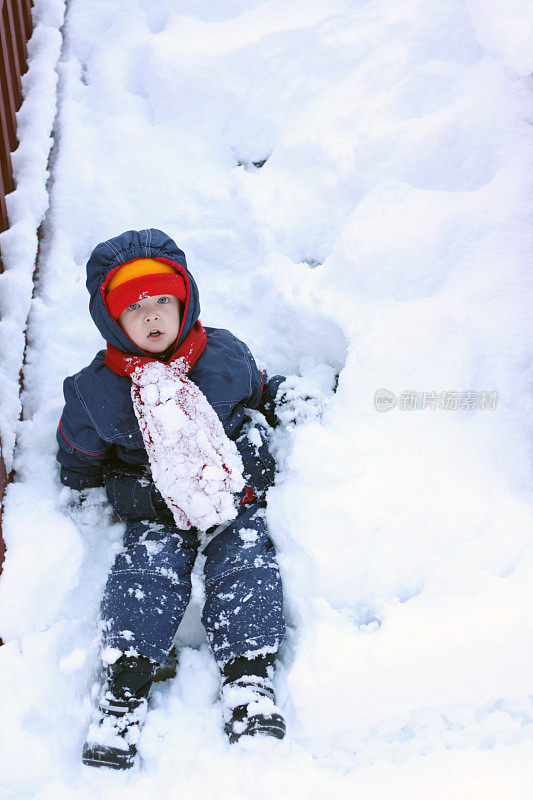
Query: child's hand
<point x="83" y="504"/>
<point x="79" y="499"/>
<point x="298" y="402"/>
<point x="133" y="493"/>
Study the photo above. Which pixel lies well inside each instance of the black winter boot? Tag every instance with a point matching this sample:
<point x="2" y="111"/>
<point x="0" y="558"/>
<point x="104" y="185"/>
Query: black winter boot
<point x="248" y="699"/>
<point x="113" y="735"/>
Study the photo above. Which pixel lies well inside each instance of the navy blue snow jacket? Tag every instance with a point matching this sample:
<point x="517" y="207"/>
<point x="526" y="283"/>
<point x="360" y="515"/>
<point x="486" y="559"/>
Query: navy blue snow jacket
<point x="100" y="442"/>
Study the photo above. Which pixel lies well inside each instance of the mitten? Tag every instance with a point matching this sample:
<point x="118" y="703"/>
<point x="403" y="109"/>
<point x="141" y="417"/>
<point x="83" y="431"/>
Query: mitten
<point x="134" y="495"/>
<point x="299" y="402"/>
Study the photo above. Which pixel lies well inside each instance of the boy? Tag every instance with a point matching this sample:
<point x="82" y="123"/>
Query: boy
<point x="157" y="419"/>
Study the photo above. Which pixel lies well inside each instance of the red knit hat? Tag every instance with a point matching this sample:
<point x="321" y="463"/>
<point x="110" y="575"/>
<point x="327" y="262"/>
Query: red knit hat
<point x="143" y="277"/>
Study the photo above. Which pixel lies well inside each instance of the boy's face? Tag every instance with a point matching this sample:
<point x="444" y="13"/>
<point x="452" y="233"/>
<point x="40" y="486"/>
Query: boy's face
<point x="153" y="323"/>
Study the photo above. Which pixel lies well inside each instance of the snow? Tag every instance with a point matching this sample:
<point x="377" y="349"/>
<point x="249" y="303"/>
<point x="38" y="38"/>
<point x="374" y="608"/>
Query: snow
<point x="26" y="208"/>
<point x="505" y="30"/>
<point x="385" y="240"/>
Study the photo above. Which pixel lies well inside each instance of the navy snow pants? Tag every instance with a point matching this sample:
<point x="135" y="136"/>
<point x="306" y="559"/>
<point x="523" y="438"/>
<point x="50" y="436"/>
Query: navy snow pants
<point x="149" y="586"/>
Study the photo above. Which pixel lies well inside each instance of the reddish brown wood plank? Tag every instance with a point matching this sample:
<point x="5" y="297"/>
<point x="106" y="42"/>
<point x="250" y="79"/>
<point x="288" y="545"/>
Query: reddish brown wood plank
<point x="11" y="35"/>
<point x="26" y="13"/>
<point x="3" y="217"/>
<point x="9" y="106"/>
<point x="5" y="152"/>
<point x="14" y="60"/>
<point x="20" y="34"/>
<point x="3" y="221"/>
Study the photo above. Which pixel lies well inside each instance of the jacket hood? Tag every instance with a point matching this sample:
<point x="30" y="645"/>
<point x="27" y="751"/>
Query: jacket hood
<point x="107" y="256"/>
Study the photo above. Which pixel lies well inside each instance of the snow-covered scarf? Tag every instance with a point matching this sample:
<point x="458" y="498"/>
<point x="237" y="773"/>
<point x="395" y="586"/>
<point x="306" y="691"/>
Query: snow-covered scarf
<point x="195" y="466"/>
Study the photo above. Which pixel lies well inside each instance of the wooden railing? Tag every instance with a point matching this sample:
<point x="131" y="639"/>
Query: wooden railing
<point x="15" y="30"/>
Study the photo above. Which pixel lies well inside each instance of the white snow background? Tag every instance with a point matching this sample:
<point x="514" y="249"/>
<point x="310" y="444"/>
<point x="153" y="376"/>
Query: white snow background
<point x="386" y="239"/>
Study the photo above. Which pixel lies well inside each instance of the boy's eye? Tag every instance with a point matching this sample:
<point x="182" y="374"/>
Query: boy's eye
<point x="133" y="306"/>
<point x="163" y="300"/>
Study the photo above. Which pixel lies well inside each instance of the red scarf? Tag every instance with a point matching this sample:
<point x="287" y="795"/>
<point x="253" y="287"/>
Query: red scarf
<point x="195" y="466"/>
<point x="190" y="350"/>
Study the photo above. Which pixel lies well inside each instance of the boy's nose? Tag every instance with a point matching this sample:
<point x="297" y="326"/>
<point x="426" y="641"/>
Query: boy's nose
<point x="151" y="313"/>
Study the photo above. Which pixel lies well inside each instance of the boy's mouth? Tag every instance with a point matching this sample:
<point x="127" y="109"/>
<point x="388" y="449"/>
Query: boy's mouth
<point x="155" y="334"/>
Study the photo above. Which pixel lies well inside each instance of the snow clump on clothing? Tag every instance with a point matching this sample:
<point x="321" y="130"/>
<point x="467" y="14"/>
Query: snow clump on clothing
<point x="195" y="466"/>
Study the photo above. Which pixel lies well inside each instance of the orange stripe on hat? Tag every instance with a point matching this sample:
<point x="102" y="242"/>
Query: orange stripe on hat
<point x="135" y="269"/>
<point x="143" y="277"/>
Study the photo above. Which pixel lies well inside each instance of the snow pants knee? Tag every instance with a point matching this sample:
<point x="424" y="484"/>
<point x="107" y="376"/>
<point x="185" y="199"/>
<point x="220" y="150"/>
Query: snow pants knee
<point x="243" y="610"/>
<point x="149" y="587"/>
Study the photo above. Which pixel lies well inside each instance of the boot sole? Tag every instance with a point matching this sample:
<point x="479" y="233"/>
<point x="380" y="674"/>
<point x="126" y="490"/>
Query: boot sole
<point x="273" y="726"/>
<point x="95" y="756"/>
